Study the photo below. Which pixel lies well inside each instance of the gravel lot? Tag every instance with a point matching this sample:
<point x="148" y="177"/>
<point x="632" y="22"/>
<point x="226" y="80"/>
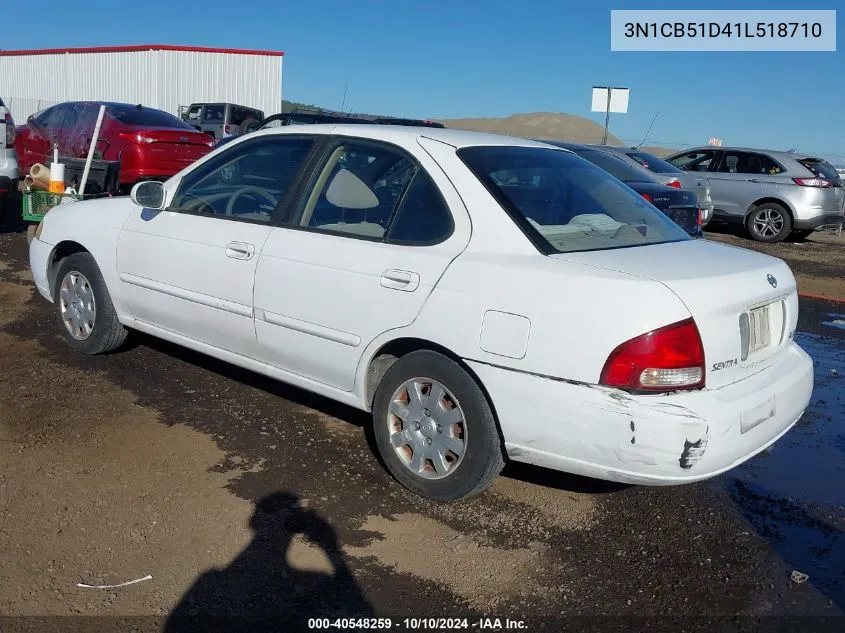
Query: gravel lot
<point x="241" y="496"/>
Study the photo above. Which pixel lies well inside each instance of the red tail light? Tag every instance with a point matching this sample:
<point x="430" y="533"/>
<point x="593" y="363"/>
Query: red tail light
<point x="698" y="219"/>
<point x="674" y="183"/>
<point x="10" y="131"/>
<point x="668" y="359"/>
<point x="648" y="197"/>
<point x="227" y="129"/>
<point x="819" y="183"/>
<point x="136" y="137"/>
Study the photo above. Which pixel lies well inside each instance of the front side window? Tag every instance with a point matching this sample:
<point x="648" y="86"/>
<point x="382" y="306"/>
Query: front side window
<point x="376" y="192"/>
<point x="247" y="182"/>
<point x="564" y="203"/>
<point x="699" y="160"/>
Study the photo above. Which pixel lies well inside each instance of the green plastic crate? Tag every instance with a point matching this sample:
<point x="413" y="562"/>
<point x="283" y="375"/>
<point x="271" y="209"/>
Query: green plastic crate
<point x="36" y="203"/>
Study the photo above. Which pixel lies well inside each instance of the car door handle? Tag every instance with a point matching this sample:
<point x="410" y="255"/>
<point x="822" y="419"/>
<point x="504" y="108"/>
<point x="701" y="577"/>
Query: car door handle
<point x="240" y="250"/>
<point x="400" y="280"/>
<point x="752" y="180"/>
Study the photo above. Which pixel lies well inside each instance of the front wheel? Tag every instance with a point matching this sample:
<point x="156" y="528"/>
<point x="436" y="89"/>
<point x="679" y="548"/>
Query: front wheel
<point x="435" y="429"/>
<point x="86" y="314"/>
<point x="769" y="222"/>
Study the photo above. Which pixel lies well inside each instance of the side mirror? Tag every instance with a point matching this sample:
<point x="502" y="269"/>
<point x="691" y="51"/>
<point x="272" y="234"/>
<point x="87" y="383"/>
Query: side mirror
<point x="148" y="194"/>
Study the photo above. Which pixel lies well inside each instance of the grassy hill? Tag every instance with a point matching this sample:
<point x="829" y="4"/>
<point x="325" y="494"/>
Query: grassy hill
<point x="543" y="125"/>
<point x="549" y="125"/>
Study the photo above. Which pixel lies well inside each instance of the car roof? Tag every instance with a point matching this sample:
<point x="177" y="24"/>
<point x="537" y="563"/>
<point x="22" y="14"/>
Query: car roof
<point x="729" y="148"/>
<point x="449" y="136"/>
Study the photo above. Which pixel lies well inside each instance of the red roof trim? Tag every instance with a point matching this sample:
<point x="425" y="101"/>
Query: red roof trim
<point x="144" y="47"/>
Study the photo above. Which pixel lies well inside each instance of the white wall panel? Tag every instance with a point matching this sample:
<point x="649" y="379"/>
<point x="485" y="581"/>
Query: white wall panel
<point x="162" y="79"/>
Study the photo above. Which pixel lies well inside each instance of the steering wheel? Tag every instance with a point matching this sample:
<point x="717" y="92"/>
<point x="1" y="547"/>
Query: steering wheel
<point x="198" y="204"/>
<point x="230" y="206"/>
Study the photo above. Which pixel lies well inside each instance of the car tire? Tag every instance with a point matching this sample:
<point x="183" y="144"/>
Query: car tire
<point x="769" y="222"/>
<point x="445" y="449"/>
<point x="85" y="312"/>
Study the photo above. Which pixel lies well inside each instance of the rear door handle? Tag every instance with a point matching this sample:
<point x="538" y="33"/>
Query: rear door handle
<point x="400" y="280"/>
<point x="752" y="180"/>
<point x="240" y="250"/>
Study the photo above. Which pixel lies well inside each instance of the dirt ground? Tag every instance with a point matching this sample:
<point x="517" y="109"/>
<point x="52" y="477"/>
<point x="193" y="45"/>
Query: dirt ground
<point x="818" y="262"/>
<point x="240" y="496"/>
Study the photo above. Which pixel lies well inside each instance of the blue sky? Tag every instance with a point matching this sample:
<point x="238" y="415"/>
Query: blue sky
<point x="493" y="58"/>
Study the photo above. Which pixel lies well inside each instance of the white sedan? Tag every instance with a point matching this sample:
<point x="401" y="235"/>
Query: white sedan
<point x="486" y="297"/>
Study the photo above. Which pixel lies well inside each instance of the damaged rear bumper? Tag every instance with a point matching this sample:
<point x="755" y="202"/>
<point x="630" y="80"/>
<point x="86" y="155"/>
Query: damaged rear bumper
<point x="640" y="439"/>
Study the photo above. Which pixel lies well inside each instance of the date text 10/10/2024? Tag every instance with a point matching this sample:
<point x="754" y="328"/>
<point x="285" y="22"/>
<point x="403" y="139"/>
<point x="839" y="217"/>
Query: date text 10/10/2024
<point x="417" y="624"/>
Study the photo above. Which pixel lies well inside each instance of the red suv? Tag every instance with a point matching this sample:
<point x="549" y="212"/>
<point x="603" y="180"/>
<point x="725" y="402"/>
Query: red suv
<point x="150" y="144"/>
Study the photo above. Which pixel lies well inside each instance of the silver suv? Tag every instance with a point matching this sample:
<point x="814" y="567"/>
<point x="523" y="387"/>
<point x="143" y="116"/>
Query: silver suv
<point x="8" y="160"/>
<point x="773" y="194"/>
<point x="661" y="171"/>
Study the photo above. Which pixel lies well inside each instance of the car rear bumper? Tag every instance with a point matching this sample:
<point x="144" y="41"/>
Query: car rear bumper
<point x="820" y="220"/>
<point x="654" y="440"/>
<point x="9" y="166"/>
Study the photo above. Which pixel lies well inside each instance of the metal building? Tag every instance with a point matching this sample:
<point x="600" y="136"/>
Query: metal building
<point x="158" y="76"/>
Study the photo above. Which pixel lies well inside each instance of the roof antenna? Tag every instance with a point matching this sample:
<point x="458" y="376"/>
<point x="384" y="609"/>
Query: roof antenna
<point x="645" y="138"/>
<point x="343" y="103"/>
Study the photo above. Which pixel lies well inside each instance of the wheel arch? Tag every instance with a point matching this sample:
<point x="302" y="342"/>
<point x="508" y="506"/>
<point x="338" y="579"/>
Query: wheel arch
<point x="390" y="351"/>
<point x="62" y="250"/>
<point x="773" y="200"/>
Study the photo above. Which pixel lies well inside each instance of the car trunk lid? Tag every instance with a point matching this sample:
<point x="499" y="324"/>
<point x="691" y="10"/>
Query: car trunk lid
<point x="178" y="136"/>
<point x="744" y="303"/>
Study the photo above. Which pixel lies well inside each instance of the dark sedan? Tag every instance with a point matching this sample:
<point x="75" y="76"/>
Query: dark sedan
<point x="680" y="205"/>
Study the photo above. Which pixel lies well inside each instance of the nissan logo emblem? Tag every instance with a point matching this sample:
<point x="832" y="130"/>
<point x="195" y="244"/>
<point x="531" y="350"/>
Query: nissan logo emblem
<point x="772" y="281"/>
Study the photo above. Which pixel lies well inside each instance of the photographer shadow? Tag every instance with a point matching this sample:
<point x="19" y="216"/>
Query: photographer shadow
<point x="260" y="590"/>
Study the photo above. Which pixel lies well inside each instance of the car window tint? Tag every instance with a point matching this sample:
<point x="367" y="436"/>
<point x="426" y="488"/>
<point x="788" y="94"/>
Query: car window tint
<point x="748" y="163"/>
<point x="653" y="163"/>
<point x="358" y="190"/>
<point x="700" y="160"/>
<point x="565" y="203"/>
<point x="613" y="165"/>
<point x="422" y="217"/>
<point x="146" y="117"/>
<point x="821" y="168"/>
<point x="213" y="113"/>
<point x="247" y="182"/>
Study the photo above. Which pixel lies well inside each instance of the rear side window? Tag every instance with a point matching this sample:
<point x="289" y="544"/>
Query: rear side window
<point x="147" y="117"/>
<point x="565" y="204"/>
<point x="821" y="168"/>
<point x="377" y="192"/>
<point x="653" y="163"/>
<point x="213" y="113"/>
<point x="616" y="167"/>
<point x="748" y="163"/>
<point x="238" y="115"/>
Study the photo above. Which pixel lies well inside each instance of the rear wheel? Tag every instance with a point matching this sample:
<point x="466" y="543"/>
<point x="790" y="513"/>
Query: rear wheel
<point x="86" y="314"/>
<point x="435" y="429"/>
<point x="769" y="222"/>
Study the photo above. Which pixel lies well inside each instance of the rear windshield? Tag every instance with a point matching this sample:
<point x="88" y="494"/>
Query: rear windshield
<point x="821" y="168"/>
<point x="652" y="163"/>
<point x="566" y="204"/>
<point x="148" y="117"/>
<point x="613" y="165"/>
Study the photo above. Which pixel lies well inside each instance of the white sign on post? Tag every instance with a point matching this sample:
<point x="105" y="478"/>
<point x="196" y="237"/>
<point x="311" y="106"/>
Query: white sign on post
<point x="618" y="101"/>
<point x="608" y="99"/>
<point x="715" y="142"/>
